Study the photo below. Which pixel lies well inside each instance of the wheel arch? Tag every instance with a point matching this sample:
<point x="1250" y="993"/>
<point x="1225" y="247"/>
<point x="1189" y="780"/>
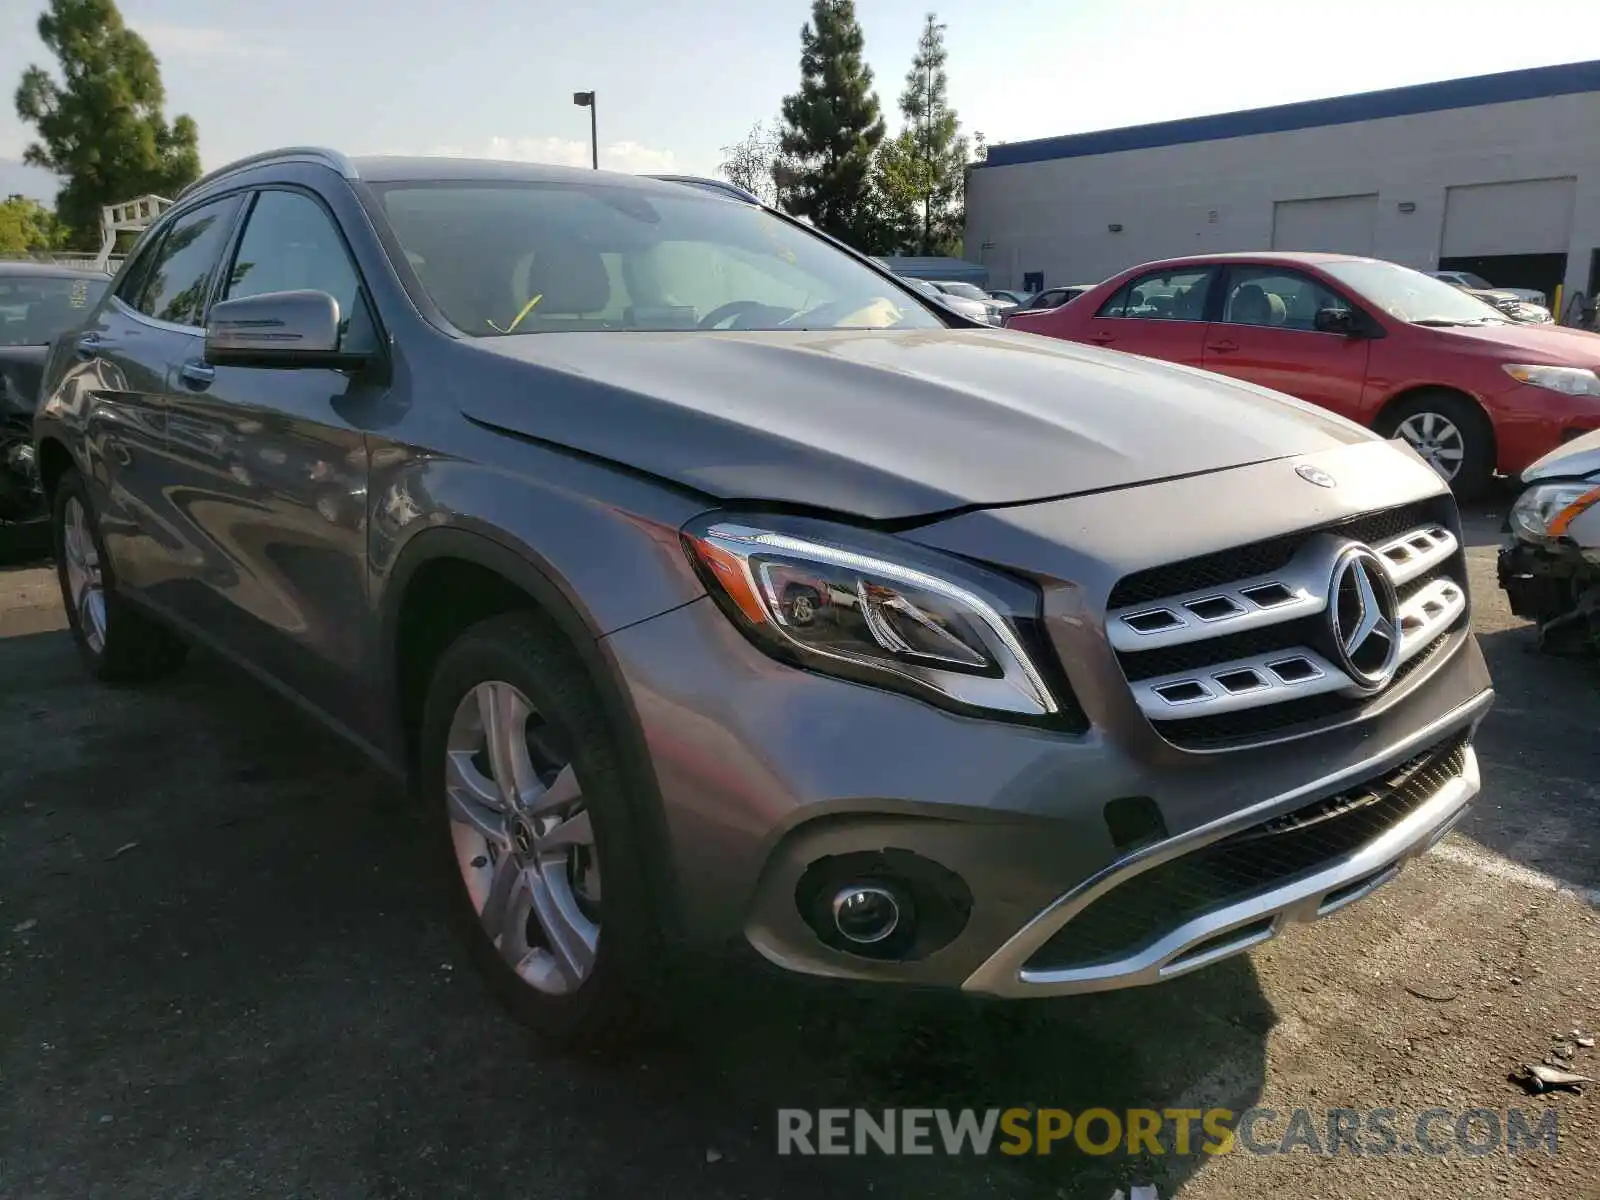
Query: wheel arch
<point x="1413" y="391"/>
<point x="55" y="460"/>
<point x="480" y="576"/>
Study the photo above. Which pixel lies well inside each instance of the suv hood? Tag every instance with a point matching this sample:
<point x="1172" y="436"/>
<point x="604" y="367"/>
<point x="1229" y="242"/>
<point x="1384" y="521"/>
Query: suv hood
<point x="882" y="424"/>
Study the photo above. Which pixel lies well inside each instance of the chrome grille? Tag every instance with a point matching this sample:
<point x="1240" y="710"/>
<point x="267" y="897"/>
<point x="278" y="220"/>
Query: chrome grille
<point x="1231" y="659"/>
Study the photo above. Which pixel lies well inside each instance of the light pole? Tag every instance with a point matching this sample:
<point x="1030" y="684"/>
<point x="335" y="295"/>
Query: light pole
<point x="586" y="100"/>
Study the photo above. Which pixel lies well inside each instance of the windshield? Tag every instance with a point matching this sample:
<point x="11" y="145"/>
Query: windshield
<point x="1408" y="295"/>
<point x="504" y="258"/>
<point x="36" y="309"/>
<point x="1475" y="281"/>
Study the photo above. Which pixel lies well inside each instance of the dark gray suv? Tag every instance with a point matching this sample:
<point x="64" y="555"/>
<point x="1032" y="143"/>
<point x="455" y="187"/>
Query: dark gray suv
<point x="660" y="541"/>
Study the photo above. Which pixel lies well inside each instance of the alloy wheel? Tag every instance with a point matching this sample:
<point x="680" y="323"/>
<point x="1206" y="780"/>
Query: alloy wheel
<point x="1437" y="439"/>
<point x="85" y="582"/>
<point x="523" y="839"/>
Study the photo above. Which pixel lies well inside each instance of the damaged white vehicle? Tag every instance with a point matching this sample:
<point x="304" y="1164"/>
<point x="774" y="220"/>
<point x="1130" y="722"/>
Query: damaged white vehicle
<point x="1550" y="566"/>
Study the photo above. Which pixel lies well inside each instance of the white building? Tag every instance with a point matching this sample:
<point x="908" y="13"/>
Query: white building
<point x="1498" y="174"/>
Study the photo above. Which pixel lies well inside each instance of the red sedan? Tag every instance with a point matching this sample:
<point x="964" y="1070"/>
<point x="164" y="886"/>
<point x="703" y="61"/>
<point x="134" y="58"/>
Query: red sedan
<point x="1381" y="344"/>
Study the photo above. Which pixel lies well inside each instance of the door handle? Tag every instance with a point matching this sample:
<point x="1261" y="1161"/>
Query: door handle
<point x="197" y="374"/>
<point x="1100" y="339"/>
<point x="87" y="345"/>
<point x="1222" y="347"/>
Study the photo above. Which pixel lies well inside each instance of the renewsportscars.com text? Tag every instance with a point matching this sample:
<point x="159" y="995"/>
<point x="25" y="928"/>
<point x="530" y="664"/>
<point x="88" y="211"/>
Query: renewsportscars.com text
<point x="1178" y="1131"/>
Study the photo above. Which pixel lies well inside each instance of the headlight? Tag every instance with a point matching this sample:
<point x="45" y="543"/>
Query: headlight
<point x="1546" y="510"/>
<point x="1574" y="381"/>
<point x="863" y="617"/>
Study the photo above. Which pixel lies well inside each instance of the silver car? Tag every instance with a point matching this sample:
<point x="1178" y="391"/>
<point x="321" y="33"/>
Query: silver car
<point x="710" y="589"/>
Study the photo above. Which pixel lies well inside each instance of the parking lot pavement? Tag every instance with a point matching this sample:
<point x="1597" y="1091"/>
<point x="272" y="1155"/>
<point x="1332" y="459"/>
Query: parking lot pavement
<point x="223" y="972"/>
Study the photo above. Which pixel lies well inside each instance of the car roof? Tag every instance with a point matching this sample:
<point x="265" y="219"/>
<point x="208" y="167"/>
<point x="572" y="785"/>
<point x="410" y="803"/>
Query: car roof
<point x="391" y="169"/>
<point x="1287" y="257"/>
<point x="39" y="270"/>
<point x="705" y="183"/>
<point x="434" y="169"/>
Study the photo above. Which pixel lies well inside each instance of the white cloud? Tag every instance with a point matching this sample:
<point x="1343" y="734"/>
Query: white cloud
<point x="198" y="41"/>
<point x="618" y="156"/>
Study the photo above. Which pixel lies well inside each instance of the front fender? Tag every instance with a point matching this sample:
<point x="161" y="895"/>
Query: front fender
<point x="594" y="549"/>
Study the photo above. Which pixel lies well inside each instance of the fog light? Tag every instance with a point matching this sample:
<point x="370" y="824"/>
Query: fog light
<point x="865" y="913"/>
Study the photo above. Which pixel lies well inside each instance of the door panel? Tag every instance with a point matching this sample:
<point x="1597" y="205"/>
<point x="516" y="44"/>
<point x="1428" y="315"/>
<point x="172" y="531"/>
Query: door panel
<point x="272" y="473"/>
<point x="126" y="353"/>
<point x="1267" y="336"/>
<point x="1160" y="315"/>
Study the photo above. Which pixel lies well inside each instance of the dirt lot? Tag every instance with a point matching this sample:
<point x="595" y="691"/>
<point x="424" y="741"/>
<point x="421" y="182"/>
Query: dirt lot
<point x="223" y="973"/>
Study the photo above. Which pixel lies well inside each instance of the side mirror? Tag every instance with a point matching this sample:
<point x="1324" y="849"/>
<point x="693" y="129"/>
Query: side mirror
<point x="1335" y="320"/>
<point x="277" y="329"/>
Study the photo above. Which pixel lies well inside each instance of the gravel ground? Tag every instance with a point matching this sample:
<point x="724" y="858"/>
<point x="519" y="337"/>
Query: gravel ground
<point x="223" y="973"/>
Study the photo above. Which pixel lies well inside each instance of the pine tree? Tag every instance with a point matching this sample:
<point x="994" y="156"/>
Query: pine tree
<point x="102" y="129"/>
<point x="923" y="170"/>
<point x="831" y="128"/>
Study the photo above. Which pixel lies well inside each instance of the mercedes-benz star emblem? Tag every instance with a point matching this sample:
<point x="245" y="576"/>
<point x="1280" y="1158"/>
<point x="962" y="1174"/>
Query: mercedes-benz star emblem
<point x="1364" y="617"/>
<point x="1315" y="475"/>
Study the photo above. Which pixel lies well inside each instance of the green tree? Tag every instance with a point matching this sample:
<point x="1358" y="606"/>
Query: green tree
<point x="831" y="128"/>
<point x="101" y="126"/>
<point x="25" y="225"/>
<point x="923" y="170"/>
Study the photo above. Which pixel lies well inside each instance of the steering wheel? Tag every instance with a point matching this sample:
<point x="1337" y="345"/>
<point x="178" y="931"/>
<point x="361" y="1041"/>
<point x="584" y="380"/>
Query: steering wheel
<point x="736" y="311"/>
<point x="824" y="315"/>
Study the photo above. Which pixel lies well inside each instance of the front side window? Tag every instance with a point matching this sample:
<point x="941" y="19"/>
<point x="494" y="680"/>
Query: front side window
<point x="1162" y="296"/>
<point x="504" y="258"/>
<point x="181" y="269"/>
<point x="1408" y="295"/>
<point x="1276" y="299"/>
<point x="290" y="244"/>
<point x="36" y="309"/>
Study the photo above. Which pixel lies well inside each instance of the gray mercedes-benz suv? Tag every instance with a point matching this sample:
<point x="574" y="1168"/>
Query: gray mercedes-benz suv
<point x="661" y="541"/>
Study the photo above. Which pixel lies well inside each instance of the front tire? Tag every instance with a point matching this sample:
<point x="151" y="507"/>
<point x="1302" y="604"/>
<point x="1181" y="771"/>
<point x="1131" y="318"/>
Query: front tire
<point x="524" y="781"/>
<point x="1451" y="434"/>
<point x="118" y="643"/>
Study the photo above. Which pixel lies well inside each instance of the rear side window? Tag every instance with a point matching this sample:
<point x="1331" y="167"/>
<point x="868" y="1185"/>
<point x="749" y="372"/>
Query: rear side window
<point x="134" y="278"/>
<point x="182" y="266"/>
<point x="1162" y="296"/>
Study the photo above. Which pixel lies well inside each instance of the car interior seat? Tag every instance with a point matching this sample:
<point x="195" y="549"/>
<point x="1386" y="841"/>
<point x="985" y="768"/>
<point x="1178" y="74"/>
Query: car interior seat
<point x="1249" y="306"/>
<point x="571" y="281"/>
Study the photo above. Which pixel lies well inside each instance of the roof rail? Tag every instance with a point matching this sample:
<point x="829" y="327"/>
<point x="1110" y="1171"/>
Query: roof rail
<point x="320" y="155"/>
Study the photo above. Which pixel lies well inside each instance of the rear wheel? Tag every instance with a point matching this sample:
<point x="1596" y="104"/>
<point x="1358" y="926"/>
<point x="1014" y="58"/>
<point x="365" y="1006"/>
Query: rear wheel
<point x="119" y="643"/>
<point x="524" y="777"/>
<point x="1451" y="434"/>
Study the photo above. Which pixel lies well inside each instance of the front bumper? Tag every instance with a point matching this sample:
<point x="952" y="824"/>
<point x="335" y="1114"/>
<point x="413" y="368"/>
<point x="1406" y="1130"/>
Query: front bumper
<point x="1540" y="582"/>
<point x="766" y="771"/>
<point x="1235" y="924"/>
<point x="773" y="778"/>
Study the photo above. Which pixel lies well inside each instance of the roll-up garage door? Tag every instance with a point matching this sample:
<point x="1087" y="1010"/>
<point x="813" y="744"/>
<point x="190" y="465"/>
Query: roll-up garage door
<point x="1530" y="216"/>
<point x="1341" y="224"/>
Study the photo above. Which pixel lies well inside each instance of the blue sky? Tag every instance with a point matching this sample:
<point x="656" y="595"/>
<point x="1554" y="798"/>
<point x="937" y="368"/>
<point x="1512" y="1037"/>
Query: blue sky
<point x="677" y="81"/>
